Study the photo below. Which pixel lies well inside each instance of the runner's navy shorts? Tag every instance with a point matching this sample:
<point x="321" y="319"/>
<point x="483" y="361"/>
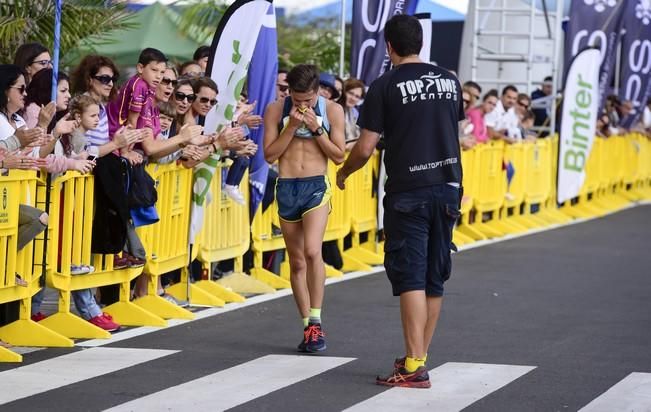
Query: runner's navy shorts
<point x="418" y="228"/>
<point x="301" y="195"/>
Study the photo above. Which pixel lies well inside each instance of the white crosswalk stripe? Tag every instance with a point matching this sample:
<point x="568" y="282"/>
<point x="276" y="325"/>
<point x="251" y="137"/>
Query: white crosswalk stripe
<point x="633" y="393"/>
<point x="235" y="386"/>
<point x="454" y="387"/>
<point x="68" y="369"/>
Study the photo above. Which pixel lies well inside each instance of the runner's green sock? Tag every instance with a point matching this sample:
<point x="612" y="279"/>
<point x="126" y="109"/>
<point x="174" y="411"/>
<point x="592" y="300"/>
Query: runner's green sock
<point x="315" y="315"/>
<point x="411" y="364"/>
<point x="305" y="322"/>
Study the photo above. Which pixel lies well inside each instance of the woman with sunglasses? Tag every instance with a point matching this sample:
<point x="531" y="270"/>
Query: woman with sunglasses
<point x="205" y="90"/>
<point x="156" y="147"/>
<point x="183" y="98"/>
<point x="97" y="76"/>
<point x="353" y="94"/>
<point x="32" y="58"/>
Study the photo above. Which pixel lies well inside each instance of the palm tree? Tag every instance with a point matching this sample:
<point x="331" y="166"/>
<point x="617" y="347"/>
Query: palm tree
<point x="23" y="21"/>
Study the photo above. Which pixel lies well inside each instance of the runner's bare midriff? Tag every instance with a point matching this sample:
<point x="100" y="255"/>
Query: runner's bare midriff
<point x="303" y="158"/>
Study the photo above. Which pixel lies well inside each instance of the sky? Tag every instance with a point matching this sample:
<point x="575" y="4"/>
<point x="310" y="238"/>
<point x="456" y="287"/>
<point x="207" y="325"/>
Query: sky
<point x="295" y="6"/>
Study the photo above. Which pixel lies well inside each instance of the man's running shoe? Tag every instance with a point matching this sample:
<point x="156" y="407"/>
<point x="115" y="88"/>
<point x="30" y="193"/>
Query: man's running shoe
<point x="301" y="346"/>
<point x="403" y="379"/>
<point x="313" y="339"/>
<point x="399" y="362"/>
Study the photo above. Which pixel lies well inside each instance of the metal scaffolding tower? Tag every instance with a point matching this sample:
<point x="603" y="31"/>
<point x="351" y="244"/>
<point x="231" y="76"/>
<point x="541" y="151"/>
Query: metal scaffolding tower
<point x="513" y="42"/>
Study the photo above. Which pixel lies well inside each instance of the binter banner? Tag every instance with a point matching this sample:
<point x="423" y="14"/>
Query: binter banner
<point x="580" y="109"/>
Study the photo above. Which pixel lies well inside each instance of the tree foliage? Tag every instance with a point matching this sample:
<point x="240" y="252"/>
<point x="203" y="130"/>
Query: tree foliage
<point x="315" y="42"/>
<point x="23" y="21"/>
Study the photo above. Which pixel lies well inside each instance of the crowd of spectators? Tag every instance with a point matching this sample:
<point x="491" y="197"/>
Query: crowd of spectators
<point x="156" y="115"/>
<point x="512" y="116"/>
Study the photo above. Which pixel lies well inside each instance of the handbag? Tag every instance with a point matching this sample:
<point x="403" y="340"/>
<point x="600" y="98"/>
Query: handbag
<point x="142" y="188"/>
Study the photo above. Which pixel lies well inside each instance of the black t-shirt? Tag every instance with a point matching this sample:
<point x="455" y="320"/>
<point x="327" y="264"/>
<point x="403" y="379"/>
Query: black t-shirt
<point x="418" y="107"/>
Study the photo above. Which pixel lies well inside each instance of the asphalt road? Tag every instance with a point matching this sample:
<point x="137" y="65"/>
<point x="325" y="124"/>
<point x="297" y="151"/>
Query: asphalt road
<point x="573" y="303"/>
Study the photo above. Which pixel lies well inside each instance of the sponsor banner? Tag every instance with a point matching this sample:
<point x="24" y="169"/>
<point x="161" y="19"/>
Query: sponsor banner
<point x="369" y="59"/>
<point x="425" y="20"/>
<point x="635" y="84"/>
<point x="230" y="55"/>
<point x="580" y="109"/>
<point x="262" y="90"/>
<point x="595" y="23"/>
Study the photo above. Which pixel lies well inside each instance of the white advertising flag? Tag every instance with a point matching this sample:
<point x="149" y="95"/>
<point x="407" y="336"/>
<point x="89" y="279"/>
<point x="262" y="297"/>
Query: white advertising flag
<point x="579" y="121"/>
<point x="230" y="55"/>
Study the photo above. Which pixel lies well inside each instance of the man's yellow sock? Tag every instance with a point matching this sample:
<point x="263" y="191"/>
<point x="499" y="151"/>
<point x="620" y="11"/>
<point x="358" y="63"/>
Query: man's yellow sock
<point x="305" y="322"/>
<point x="411" y="364"/>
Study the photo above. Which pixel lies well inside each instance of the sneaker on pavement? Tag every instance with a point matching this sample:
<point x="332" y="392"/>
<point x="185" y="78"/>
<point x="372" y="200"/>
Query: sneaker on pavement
<point x="38" y="316"/>
<point x="81" y="269"/>
<point x="105" y="321"/>
<point x="234" y="193"/>
<point x="401" y="378"/>
<point x="399" y="362"/>
<point x="172" y="299"/>
<point x="314" y="338"/>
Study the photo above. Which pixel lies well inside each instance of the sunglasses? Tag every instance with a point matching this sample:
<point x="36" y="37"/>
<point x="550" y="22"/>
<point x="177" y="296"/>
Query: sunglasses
<point x="166" y="82"/>
<point x="21" y="89"/>
<point x="351" y="94"/>
<point x="180" y="97"/>
<point x="205" y="100"/>
<point x="106" y="79"/>
<point x="43" y="62"/>
<point x="523" y="104"/>
<point x="282" y="87"/>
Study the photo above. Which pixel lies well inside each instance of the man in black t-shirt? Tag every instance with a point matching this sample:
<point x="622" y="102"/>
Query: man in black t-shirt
<point x="417" y="106"/>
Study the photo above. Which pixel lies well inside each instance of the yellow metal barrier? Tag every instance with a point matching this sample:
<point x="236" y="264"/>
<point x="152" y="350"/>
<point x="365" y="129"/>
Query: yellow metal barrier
<point x="586" y="204"/>
<point x="516" y="154"/>
<point x="360" y="202"/>
<point x="72" y="200"/>
<point x="632" y="168"/>
<point x="550" y="209"/>
<point x="267" y="237"/>
<point x="166" y="242"/>
<point x="225" y="235"/>
<point x="338" y="227"/>
<point x="464" y="230"/>
<point x="641" y="185"/>
<point x="612" y="171"/>
<point x="19" y="187"/>
<point x="491" y="189"/>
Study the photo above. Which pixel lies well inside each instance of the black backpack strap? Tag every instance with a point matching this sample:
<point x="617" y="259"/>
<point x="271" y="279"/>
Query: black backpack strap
<point x="287" y="107"/>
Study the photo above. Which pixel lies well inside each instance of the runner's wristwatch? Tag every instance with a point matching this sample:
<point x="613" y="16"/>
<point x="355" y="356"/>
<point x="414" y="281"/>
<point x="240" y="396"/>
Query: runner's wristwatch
<point x="318" y="132"/>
